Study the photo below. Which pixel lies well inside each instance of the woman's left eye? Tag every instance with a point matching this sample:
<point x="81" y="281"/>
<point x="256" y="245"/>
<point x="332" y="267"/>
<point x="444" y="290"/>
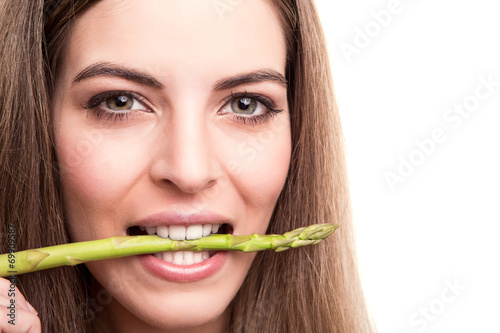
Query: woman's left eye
<point x="116" y="105"/>
<point x="249" y="107"/>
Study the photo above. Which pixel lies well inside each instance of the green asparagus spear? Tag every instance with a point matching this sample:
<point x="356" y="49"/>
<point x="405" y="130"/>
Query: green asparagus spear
<point x="121" y="246"/>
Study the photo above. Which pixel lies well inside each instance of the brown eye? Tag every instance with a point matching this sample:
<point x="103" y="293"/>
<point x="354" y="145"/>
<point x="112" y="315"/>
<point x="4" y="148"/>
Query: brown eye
<point x="244" y="105"/>
<point x="249" y="108"/>
<point x="120" y="103"/>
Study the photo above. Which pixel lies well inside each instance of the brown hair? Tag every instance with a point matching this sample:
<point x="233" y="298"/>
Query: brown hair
<point x="315" y="289"/>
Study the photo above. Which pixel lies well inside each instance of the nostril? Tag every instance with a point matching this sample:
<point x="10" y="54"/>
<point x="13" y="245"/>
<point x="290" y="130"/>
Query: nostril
<point x="211" y="183"/>
<point x="185" y="175"/>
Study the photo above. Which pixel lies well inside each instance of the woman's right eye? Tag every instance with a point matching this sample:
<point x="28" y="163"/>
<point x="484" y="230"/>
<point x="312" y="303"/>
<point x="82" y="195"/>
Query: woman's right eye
<point x="116" y="105"/>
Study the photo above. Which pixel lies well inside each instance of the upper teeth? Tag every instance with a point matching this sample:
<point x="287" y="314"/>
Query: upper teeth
<point x="181" y="232"/>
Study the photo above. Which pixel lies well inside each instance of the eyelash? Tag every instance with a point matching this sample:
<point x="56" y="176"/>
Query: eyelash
<point x="93" y="106"/>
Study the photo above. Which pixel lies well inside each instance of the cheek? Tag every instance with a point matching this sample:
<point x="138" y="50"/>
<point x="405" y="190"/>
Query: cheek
<point x="96" y="174"/>
<point x="259" y="165"/>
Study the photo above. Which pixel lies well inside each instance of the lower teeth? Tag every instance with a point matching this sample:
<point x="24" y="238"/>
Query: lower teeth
<point x="183" y="257"/>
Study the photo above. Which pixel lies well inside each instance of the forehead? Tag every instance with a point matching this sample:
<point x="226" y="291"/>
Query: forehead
<point x="202" y="37"/>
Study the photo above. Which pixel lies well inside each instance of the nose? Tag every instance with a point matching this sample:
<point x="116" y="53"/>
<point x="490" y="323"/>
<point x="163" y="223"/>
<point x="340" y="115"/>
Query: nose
<point x="185" y="154"/>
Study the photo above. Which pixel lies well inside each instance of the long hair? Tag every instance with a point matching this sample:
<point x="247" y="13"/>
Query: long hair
<point x="315" y="289"/>
<point x="31" y="199"/>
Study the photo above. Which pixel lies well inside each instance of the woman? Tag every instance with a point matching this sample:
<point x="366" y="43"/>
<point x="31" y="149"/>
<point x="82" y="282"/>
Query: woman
<point x="127" y="117"/>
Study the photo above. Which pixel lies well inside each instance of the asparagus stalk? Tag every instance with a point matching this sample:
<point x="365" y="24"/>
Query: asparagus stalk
<point x="121" y="246"/>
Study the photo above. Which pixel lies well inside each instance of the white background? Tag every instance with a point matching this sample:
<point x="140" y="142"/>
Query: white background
<point x="438" y="225"/>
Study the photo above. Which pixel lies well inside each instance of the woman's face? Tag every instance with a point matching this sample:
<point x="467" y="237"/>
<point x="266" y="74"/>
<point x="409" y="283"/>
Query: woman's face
<point x="172" y="117"/>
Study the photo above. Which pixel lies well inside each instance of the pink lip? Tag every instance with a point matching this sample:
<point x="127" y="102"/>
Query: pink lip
<point x="179" y="218"/>
<point x="177" y="273"/>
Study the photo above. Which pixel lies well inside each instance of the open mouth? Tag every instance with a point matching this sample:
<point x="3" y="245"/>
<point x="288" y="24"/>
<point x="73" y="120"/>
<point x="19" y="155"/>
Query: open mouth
<point x="180" y="233"/>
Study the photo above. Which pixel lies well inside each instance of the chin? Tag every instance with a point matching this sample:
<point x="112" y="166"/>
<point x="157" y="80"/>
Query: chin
<point x="147" y="300"/>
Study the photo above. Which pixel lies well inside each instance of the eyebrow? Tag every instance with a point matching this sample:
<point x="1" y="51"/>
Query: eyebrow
<point x="252" y="77"/>
<point x="108" y="69"/>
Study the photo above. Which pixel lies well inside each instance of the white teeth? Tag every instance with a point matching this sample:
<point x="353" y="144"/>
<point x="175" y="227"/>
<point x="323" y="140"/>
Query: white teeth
<point x="177" y="232"/>
<point x="168" y="256"/>
<point x="162" y="231"/>
<point x="179" y="258"/>
<point x="197" y="257"/>
<point x="207" y="229"/>
<point x="194" y="231"/>
<point x="188" y="258"/>
<point x="182" y="232"/>
<point x="183" y="258"/>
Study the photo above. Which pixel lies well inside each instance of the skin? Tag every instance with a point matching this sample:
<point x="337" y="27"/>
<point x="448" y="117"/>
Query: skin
<point x="24" y="316"/>
<point x="177" y="151"/>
